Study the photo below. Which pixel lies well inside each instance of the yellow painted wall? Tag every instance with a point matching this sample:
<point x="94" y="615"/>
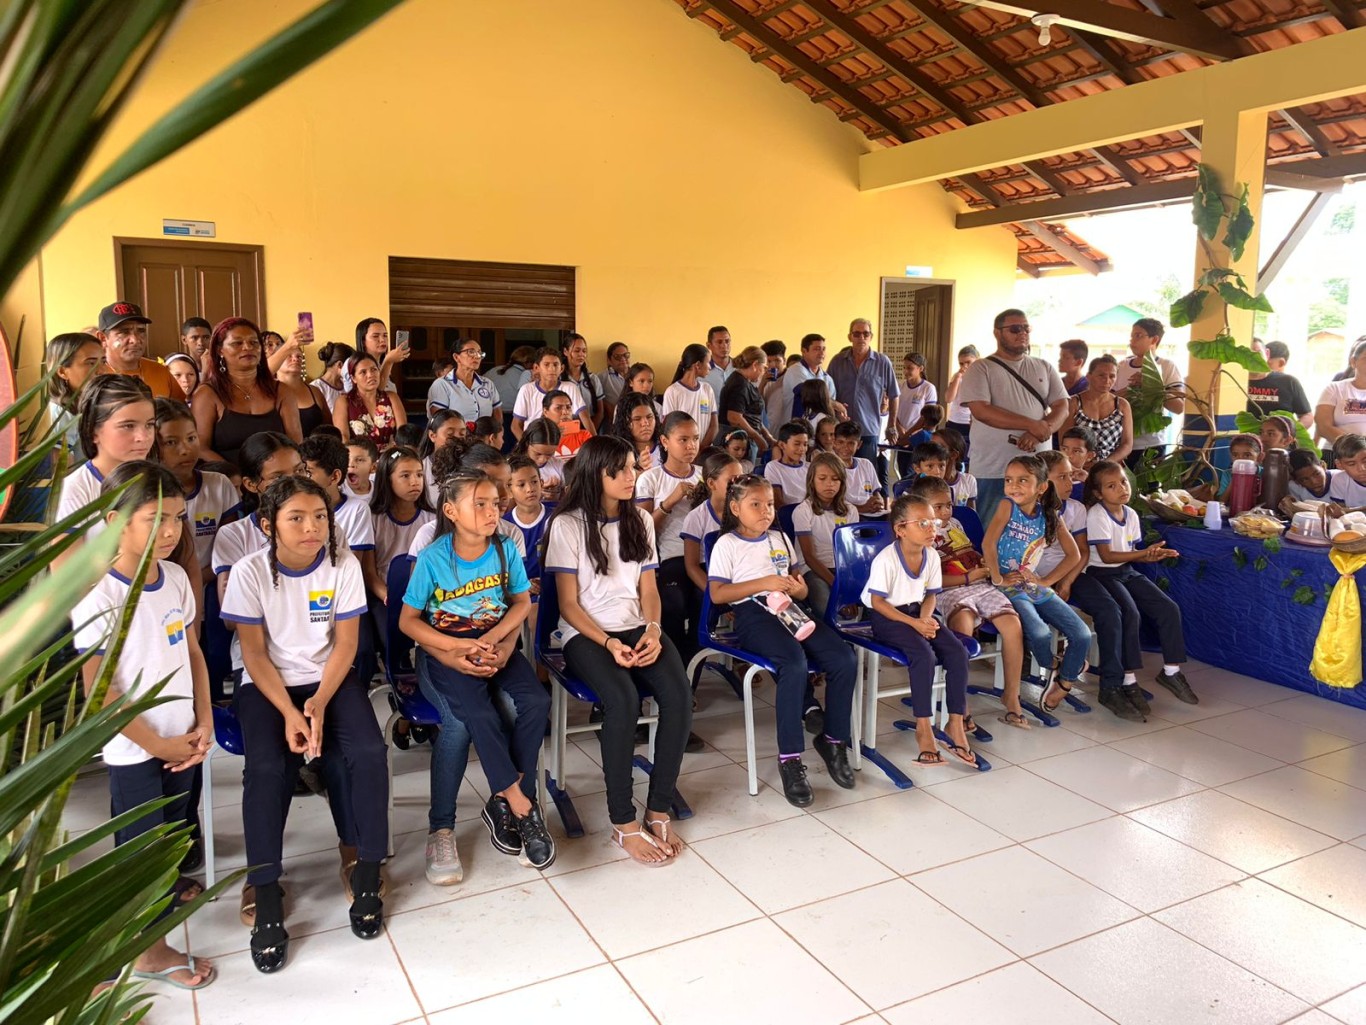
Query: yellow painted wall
<point x="688" y="185"/>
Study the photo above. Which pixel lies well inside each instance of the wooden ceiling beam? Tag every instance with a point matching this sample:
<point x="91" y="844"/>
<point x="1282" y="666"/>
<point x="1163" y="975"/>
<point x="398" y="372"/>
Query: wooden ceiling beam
<point x="1314" y="209"/>
<point x="848" y="26"/>
<point x="1302" y="123"/>
<point x="960" y="35"/>
<point x="1346" y="11"/>
<point x="1031" y="269"/>
<point x="761" y="33"/>
<point x="1062" y="247"/>
<point x="1323" y="175"/>
<point x="1199" y="36"/>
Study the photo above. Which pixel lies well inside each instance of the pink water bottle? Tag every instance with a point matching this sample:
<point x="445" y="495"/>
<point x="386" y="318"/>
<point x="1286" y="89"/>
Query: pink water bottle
<point x="1242" y="492"/>
<point x="790" y="614"/>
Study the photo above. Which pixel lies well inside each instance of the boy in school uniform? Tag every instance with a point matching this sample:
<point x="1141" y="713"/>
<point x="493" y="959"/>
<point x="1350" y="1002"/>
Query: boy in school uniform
<point x="787" y="473"/>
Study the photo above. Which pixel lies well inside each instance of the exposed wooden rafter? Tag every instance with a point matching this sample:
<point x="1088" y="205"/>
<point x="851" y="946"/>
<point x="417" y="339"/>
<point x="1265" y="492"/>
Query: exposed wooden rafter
<point x="1062" y="247"/>
<point x="1346" y="11"/>
<point x="875" y="47"/>
<point x="1323" y="146"/>
<point x="1318" y="203"/>
<point x="1032" y="269"/>
<point x="1195" y="35"/>
<point x="961" y="36"/>
<point x="1320" y="174"/>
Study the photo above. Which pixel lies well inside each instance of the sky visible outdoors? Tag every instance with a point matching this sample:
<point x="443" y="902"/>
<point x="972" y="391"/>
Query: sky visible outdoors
<point x="1152" y="252"/>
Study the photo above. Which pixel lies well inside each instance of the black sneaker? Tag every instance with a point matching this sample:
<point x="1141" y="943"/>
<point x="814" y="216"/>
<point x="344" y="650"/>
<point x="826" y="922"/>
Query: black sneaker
<point x="503" y="833"/>
<point x="1134" y="693"/>
<point x="814" y="720"/>
<point x="836" y="757"/>
<point x="194" y="858"/>
<point x="1176" y="683"/>
<point x="796" y="787"/>
<point x="1118" y="702"/>
<point x="538" y="846"/>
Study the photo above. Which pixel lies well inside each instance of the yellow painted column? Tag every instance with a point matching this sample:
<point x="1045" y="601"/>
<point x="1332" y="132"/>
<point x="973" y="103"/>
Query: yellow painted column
<point x="1233" y="145"/>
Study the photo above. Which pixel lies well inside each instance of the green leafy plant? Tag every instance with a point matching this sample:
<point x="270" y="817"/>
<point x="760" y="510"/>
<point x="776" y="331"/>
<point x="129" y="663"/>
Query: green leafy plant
<point x="67" y="68"/>
<point x="1212" y="210"/>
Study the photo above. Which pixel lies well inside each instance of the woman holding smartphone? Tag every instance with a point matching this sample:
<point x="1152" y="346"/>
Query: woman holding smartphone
<point x="372" y="338"/>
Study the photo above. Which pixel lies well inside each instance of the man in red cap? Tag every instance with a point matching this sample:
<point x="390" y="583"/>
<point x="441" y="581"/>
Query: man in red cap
<point x="123" y="331"/>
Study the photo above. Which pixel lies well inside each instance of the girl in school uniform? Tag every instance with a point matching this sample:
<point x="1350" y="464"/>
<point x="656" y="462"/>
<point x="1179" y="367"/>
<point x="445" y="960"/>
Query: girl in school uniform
<point x="265" y="458"/>
<point x="75" y="357"/>
<point x="398" y="510"/>
<point x="663" y="491"/>
<point x="208" y="495"/>
<point x="902" y="584"/>
<point x="751" y="560"/>
<point x="117" y="423"/>
<point x="825" y="507"/>
<point x="637" y="421"/>
<point x="157" y="755"/>
<point x="464" y="605"/>
<point x="540" y="443"/>
<point x="443" y="426"/>
<point x="296" y="607"/>
<point x="601" y="549"/>
<point x="691" y="394"/>
<point x="708" y="503"/>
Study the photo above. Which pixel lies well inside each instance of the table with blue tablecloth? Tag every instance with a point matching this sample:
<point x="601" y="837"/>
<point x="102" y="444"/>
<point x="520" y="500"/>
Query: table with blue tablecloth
<point x="1250" y="607"/>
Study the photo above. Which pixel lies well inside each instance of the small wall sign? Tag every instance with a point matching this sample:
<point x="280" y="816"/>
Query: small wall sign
<point x="192" y="229"/>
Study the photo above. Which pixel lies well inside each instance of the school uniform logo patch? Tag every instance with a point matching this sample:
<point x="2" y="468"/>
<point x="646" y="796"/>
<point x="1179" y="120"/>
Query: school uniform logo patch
<point x="319" y="606"/>
<point x="778" y="556"/>
<point x="204" y="524"/>
<point x="175" y="632"/>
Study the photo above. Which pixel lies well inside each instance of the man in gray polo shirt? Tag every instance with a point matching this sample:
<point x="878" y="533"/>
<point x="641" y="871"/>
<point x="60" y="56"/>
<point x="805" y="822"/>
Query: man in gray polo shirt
<point x="864" y="378"/>
<point x="1017" y="403"/>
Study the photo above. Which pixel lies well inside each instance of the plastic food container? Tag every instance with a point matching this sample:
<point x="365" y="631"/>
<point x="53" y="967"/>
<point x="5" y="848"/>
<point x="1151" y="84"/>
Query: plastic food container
<point x="1307" y="524"/>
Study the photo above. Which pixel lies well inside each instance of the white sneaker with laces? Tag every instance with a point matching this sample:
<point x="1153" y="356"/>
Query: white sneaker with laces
<point x="443" y="860"/>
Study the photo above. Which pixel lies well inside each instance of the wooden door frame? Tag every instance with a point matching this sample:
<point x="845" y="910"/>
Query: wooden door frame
<point x="257" y="253"/>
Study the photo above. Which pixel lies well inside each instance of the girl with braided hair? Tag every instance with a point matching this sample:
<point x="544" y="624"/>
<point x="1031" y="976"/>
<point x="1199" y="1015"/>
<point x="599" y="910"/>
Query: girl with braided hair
<point x="296" y="606"/>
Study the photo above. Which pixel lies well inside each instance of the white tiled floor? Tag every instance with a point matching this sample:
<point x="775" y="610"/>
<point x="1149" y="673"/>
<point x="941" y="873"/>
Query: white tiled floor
<point x="1205" y="866"/>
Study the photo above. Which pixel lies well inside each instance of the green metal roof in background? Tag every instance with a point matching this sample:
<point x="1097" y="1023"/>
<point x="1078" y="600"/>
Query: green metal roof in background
<point x="1116" y="316"/>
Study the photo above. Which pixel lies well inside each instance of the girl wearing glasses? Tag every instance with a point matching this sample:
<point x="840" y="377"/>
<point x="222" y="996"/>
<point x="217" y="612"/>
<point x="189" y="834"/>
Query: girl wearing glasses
<point x="901" y="589"/>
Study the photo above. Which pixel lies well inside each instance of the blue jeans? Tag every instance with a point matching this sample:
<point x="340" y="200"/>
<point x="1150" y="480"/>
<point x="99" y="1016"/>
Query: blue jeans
<point x="1036" y="618"/>
<point x="991" y="492"/>
<point x="450" y="751"/>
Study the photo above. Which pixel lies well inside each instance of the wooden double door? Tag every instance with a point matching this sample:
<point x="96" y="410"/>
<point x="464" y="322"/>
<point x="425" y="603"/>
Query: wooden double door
<point x="173" y="280"/>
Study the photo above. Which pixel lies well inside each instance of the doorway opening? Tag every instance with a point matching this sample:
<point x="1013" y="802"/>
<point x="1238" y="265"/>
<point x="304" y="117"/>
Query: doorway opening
<point x="917" y="316"/>
<point x="500" y="305"/>
<point x="173" y="280"/>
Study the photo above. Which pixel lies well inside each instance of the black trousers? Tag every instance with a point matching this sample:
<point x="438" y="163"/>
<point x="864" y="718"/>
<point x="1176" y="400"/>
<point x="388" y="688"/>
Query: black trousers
<point x="922" y="654"/>
<point x="351" y="736"/>
<point x="680" y="606"/>
<point x="615" y="687"/>
<point x="1137" y="599"/>
<point x="132" y="785"/>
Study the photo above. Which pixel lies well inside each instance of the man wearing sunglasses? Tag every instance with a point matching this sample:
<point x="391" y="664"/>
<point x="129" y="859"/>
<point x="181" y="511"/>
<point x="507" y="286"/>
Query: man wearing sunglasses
<point x="1017" y="402"/>
<point x="464" y="390"/>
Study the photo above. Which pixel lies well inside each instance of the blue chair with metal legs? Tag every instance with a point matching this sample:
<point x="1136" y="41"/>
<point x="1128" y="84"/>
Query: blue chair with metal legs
<point x="550" y="655"/>
<point x="856" y="545"/>
<point x="227" y="736"/>
<point x="728" y="643"/>
<point x="401" y="674"/>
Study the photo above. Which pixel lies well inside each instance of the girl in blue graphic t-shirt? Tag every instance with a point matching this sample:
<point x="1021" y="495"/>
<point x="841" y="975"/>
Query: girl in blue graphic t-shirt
<point x="466" y="599"/>
<point x="1020" y="530"/>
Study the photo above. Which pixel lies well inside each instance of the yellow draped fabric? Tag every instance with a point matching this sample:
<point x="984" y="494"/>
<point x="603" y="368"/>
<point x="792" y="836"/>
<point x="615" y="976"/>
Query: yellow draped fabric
<point x="1337" y="652"/>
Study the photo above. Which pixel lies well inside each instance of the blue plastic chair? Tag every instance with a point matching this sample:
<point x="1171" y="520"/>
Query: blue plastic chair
<point x="728" y="643"/>
<point x="551" y="655"/>
<point x="400" y="674"/>
<point x="227" y="736"/>
<point x="856" y="545"/>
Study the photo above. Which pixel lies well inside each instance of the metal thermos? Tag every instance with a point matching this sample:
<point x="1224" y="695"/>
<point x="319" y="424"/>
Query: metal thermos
<point x="1275" y="478"/>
